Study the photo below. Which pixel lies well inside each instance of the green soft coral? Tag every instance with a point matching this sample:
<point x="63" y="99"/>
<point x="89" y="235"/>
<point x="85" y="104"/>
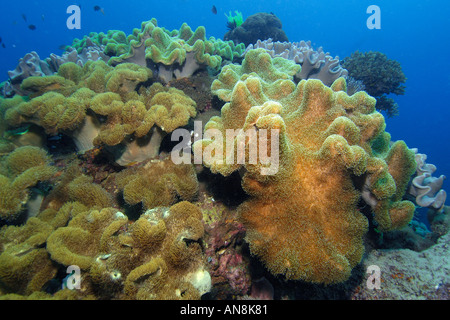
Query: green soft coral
<point x="177" y="53"/>
<point x="235" y="20"/>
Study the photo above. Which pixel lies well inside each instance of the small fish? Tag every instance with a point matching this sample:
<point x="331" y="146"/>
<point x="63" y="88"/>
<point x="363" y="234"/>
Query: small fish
<point x="214" y="9"/>
<point x="32" y="27"/>
<point x="54" y="138"/>
<point x="24" y="17"/>
<point x="3" y="46"/>
<point x="62" y="47"/>
<point x="98" y="8"/>
<point x="0" y="39"/>
<point x="43" y="17"/>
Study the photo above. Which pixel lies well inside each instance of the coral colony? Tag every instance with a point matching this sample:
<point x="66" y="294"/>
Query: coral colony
<point x="165" y="165"/>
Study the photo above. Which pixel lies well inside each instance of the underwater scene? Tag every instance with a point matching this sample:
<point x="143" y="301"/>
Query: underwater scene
<point x="224" y="150"/>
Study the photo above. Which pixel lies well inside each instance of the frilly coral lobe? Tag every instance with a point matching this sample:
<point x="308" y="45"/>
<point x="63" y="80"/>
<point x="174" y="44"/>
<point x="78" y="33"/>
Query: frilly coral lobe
<point x="88" y="180"/>
<point x="303" y="221"/>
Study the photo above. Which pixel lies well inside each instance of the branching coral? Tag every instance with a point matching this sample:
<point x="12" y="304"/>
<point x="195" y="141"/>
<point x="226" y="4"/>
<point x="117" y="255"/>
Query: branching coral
<point x="302" y="219"/>
<point x="315" y="64"/>
<point x="157" y="257"/>
<point x="20" y="170"/>
<point x="380" y="76"/>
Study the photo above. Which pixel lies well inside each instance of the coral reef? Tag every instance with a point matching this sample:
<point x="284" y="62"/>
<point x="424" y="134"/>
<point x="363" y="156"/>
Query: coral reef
<point x="99" y="104"/>
<point x="170" y="54"/>
<point x="178" y="53"/>
<point x="302" y="218"/>
<point x="157" y="257"/>
<point x="424" y="187"/>
<point x="19" y="171"/>
<point x="298" y="187"/>
<point x="25" y="266"/>
<point x="381" y="76"/>
<point x="32" y="66"/>
<point x="316" y="64"/>
<point x="259" y="26"/>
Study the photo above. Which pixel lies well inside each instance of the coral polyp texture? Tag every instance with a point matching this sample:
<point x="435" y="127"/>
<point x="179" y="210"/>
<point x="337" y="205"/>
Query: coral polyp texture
<point x="158" y="183"/>
<point x="303" y="219"/>
<point x="158" y="256"/>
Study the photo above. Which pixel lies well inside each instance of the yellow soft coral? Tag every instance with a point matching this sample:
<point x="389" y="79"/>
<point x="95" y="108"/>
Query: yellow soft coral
<point x="20" y="170"/>
<point x="156" y="257"/>
<point x="158" y="183"/>
<point x="302" y="219"/>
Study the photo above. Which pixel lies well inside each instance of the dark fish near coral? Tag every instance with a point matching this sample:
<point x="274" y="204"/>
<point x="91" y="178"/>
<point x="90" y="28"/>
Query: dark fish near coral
<point x="98" y="8"/>
<point x="62" y="47"/>
<point x="214" y="9"/>
<point x="32" y="27"/>
<point x="54" y="138"/>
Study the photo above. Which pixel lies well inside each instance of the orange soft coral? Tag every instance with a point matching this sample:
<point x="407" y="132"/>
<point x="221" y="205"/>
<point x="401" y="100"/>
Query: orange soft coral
<point x="303" y="220"/>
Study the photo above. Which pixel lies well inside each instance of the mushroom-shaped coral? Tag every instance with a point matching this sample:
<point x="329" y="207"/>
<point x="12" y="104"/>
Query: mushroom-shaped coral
<point x="178" y="53"/>
<point x="316" y="64"/>
<point x="272" y="75"/>
<point x="63" y="109"/>
<point x="103" y="105"/>
<point x="425" y="187"/>
<point x="19" y="171"/>
<point x="140" y="124"/>
<point x="303" y="219"/>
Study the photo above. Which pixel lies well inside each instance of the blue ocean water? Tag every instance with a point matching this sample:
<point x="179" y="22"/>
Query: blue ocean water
<point x="413" y="33"/>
